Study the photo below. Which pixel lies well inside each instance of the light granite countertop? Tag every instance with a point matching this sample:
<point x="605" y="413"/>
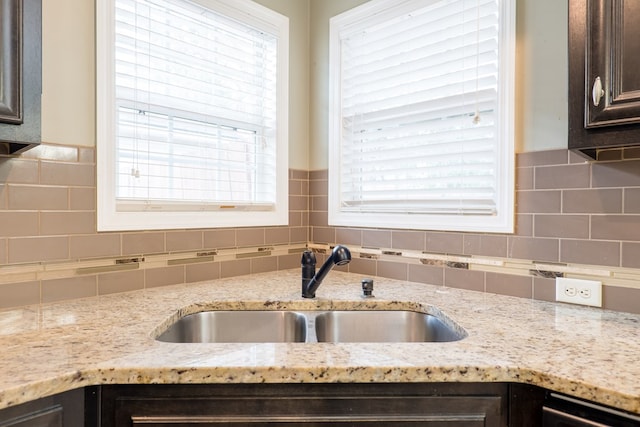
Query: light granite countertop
<point x="584" y="352"/>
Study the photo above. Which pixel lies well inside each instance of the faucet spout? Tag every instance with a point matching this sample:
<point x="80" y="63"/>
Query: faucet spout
<point x="340" y="255"/>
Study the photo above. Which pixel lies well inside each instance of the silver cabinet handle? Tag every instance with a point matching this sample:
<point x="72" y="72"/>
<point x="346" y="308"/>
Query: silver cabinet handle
<point x="597" y="93"/>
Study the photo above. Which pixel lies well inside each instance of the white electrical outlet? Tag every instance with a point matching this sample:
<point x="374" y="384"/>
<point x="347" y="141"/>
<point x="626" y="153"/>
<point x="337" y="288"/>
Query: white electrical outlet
<point x="578" y="291"/>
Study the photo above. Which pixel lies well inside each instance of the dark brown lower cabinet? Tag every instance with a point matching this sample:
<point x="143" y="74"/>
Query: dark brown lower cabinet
<point x="433" y="405"/>
<point x="61" y="410"/>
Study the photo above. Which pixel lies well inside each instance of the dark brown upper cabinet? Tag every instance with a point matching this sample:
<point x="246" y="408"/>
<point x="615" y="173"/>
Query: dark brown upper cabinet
<point x="604" y="77"/>
<point x="20" y="74"/>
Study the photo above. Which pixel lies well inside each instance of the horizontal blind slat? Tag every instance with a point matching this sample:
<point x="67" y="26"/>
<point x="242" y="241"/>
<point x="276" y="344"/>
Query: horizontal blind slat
<point x="196" y="93"/>
<point x="412" y="89"/>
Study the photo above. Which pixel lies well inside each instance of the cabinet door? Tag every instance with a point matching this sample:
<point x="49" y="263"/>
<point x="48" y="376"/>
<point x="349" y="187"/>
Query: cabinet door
<point x="604" y="83"/>
<point x="20" y="74"/>
<point x="613" y="59"/>
<point x="450" y="405"/>
<point x="61" y="410"/>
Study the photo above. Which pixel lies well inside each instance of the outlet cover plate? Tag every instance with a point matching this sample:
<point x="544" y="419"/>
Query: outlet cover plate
<point x="579" y="291"/>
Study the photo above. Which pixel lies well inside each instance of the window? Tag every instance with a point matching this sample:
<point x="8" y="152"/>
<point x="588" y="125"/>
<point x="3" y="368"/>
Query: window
<point x="192" y="114"/>
<point x="421" y="119"/>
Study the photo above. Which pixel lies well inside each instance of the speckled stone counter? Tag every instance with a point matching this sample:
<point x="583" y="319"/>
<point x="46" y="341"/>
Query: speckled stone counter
<point x="584" y="352"/>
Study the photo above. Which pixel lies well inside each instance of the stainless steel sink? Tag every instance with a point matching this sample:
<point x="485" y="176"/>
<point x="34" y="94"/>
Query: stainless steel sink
<point x="238" y="326"/>
<point x="382" y="326"/>
<point x="264" y="326"/>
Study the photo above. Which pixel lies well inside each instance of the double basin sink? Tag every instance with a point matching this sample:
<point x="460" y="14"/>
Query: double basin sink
<point x="267" y="326"/>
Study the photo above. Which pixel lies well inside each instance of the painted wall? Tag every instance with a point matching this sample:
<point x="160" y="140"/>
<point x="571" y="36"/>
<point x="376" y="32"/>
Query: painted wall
<point x="68" y="103"/>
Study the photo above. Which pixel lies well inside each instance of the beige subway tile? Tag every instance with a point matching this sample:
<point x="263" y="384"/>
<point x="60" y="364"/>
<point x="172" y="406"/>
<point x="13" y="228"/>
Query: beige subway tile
<point x="539" y="201"/>
<point x="563" y="226"/>
<point x="318" y="188"/>
<point x="615" y="227"/>
<point x="142" y="243"/>
<point x="575" y="157"/>
<point x="69" y="222"/>
<point x="3" y="251"/>
<point x="621" y="299"/>
<point x="94" y="246"/>
<point x="52" y="152"/>
<point x="298" y="203"/>
<point x="393" y="270"/>
<point x="320" y="203"/>
<point x="298" y="235"/>
<point x="323" y="235"/>
<point x="235" y="268"/>
<point x="615" y="174"/>
<point x="299" y="174"/>
<point x="191" y="240"/>
<point x="71" y="174"/>
<point x="344" y="268"/>
<point x="590" y="252"/>
<point x="295" y="218"/>
<point x="524" y="178"/>
<point x="19" y="294"/>
<point x="164" y="276"/>
<point x="38" y="249"/>
<point x="14" y="224"/>
<point x="349" y="236"/>
<point x="82" y="199"/>
<point x="544" y="289"/>
<point x="368" y="267"/>
<point x="630" y="255"/>
<point x="296" y="188"/>
<point x="319" y="175"/>
<point x="524" y="225"/>
<point x="121" y="281"/>
<point x="593" y="201"/>
<point x="376" y="238"/>
<point x="565" y="176"/>
<point x="485" y="245"/>
<point x="18" y="171"/>
<point x="69" y="288"/>
<point x="264" y="264"/>
<point x="410" y="240"/>
<point x="202" y="271"/>
<point x="430" y="274"/>
<point x="4" y="196"/>
<point x="250" y="236"/>
<point x="631" y="153"/>
<point x="537" y="249"/>
<point x="286" y="262"/>
<point x="631" y="200"/>
<point x="220" y="238"/>
<point x="540" y="158"/>
<point x="464" y="279"/>
<point x="276" y="235"/>
<point x="509" y="284"/>
<point x="450" y="243"/>
<point x="30" y="197"/>
<point x="318" y="219"/>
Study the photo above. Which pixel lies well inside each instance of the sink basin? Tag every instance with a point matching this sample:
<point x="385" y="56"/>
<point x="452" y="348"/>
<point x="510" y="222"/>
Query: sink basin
<point x="265" y="326"/>
<point x="238" y="326"/>
<point x="382" y="326"/>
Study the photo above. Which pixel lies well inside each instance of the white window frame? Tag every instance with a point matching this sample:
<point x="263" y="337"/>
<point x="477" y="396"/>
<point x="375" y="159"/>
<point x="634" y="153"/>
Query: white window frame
<point x="109" y="218"/>
<point x="503" y="220"/>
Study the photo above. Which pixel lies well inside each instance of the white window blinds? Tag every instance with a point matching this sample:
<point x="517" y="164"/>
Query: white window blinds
<point x="196" y="110"/>
<point x="417" y="121"/>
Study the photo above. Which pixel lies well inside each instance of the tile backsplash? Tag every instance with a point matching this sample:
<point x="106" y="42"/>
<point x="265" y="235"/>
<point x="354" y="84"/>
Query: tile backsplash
<point x="572" y="217"/>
